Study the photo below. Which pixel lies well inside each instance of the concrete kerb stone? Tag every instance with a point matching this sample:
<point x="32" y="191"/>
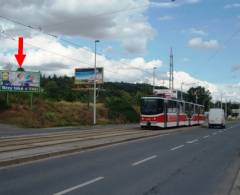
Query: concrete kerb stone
<point x="236" y="187"/>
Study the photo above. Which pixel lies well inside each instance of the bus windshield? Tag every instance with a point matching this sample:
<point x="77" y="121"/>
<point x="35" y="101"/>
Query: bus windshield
<point x="151" y="106"/>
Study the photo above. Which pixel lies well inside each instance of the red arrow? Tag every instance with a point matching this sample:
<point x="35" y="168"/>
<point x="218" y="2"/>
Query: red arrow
<point x="20" y="56"/>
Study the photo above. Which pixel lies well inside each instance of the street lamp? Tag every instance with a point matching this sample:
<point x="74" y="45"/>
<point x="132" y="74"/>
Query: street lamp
<point x="94" y="94"/>
<point x="182" y="83"/>
<point x="182" y="90"/>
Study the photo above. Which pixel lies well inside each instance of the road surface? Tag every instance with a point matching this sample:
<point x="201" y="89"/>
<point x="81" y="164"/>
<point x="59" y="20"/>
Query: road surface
<point x="199" y="161"/>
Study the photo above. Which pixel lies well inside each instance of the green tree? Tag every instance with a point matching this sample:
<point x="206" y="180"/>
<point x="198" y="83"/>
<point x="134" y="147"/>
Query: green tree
<point x="51" y="90"/>
<point x="199" y="95"/>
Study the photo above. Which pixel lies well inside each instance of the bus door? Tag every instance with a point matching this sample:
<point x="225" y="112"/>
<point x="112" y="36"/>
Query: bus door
<point x="187" y="110"/>
<point x="178" y="113"/>
<point x="165" y="110"/>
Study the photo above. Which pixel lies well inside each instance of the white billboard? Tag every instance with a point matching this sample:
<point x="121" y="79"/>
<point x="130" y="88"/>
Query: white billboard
<point x="166" y="93"/>
<point x="19" y="81"/>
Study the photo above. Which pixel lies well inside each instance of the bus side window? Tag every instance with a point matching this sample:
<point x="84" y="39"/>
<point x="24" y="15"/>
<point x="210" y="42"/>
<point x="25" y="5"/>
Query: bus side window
<point x="181" y="107"/>
<point x="169" y="107"/>
<point x="174" y="107"/>
<point x="187" y="109"/>
<point x="191" y="110"/>
<point x="201" y="110"/>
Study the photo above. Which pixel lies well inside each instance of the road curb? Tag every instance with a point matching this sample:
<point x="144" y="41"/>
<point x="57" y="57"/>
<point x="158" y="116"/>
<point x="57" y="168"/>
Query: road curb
<point x="236" y="187"/>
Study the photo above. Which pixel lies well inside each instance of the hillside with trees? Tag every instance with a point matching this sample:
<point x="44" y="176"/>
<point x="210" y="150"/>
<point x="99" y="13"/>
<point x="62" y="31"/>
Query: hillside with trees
<point x="60" y="104"/>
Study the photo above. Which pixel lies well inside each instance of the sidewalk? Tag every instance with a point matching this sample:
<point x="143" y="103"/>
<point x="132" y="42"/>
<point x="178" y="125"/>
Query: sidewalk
<point x="9" y="130"/>
<point x="236" y="187"/>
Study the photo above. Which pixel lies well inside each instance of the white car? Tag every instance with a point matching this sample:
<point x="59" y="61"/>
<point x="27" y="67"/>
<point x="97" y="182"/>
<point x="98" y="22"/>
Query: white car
<point x="216" y="117"/>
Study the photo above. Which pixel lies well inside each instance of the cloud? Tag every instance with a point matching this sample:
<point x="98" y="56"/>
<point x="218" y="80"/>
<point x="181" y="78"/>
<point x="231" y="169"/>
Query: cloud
<point x="173" y="4"/>
<point x="198" y="42"/>
<point x="165" y="18"/>
<point x="65" y="59"/>
<point x="52" y="57"/>
<point x="108" y="50"/>
<point x="185" y="59"/>
<point x="197" y="32"/>
<point x="227" y="92"/>
<point x="233" y="5"/>
<point x="125" y="22"/>
<point x="236" y="68"/>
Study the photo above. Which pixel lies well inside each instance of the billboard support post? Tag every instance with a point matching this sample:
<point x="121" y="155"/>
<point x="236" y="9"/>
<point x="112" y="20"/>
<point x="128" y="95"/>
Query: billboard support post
<point x="31" y="100"/>
<point x="88" y="99"/>
<point x="94" y="94"/>
<point x="7" y="99"/>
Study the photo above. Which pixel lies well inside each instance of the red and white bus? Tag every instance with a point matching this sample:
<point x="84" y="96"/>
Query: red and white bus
<point x="162" y="112"/>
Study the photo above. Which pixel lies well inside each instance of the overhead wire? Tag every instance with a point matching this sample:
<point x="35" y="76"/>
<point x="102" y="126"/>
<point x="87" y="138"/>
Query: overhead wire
<point x="229" y="39"/>
<point x="55" y="36"/>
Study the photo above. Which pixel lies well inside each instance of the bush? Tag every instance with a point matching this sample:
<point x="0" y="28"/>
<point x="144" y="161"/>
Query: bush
<point x="3" y="105"/>
<point x="121" y="109"/>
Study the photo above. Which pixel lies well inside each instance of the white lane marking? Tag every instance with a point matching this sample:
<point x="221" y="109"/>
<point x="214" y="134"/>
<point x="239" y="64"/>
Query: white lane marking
<point x="144" y="160"/>
<point x="214" y="133"/>
<point x="192" y="141"/>
<point x="205" y="137"/>
<point x="79" y="186"/>
<point x="177" y="147"/>
<point x="220" y="131"/>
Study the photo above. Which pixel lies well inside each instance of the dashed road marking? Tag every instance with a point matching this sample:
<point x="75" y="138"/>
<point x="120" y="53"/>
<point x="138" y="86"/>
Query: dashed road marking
<point x="192" y="141"/>
<point x="206" y="136"/>
<point x="144" y="160"/>
<point x="79" y="186"/>
<point x="177" y="147"/>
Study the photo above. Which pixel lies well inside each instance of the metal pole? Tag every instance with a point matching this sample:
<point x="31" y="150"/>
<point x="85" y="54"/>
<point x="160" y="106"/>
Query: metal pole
<point x="181" y="90"/>
<point x="221" y="100"/>
<point x="7" y="99"/>
<point x="226" y="109"/>
<point x="154" y="68"/>
<point x="31" y="101"/>
<point x="94" y="94"/>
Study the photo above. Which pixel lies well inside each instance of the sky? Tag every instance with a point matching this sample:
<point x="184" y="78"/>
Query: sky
<point x="135" y="36"/>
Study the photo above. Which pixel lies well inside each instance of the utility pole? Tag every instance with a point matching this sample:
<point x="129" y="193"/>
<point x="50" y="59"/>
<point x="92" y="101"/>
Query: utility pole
<point x="154" y="68"/>
<point x="226" y="109"/>
<point x="171" y="77"/>
<point x="221" y="100"/>
<point x="171" y="67"/>
<point x="182" y="90"/>
<point x="94" y="93"/>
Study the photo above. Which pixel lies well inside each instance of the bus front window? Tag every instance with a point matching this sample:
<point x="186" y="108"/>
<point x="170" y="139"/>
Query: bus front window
<point x="151" y="106"/>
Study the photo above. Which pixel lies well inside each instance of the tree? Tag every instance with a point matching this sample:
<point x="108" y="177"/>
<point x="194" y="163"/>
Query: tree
<point x="199" y="95"/>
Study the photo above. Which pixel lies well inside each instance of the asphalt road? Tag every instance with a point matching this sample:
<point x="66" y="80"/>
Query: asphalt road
<point x="199" y="161"/>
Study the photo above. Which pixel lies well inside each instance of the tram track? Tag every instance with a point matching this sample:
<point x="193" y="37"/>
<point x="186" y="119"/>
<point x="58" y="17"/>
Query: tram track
<point x="21" y="149"/>
<point x="55" y="136"/>
<point x="15" y="145"/>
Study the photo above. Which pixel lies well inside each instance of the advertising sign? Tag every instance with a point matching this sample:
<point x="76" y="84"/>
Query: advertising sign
<point x="87" y="75"/>
<point x="167" y="93"/>
<point x="19" y="81"/>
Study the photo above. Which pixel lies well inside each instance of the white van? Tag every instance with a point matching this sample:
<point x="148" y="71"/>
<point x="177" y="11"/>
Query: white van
<point x="216" y="118"/>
